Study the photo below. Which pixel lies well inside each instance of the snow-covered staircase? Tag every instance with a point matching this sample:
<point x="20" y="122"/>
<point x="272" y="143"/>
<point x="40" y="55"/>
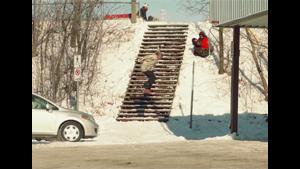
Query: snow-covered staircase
<point x="137" y="107"/>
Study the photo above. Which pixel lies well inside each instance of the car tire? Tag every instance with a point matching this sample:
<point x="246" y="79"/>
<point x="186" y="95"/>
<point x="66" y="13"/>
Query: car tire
<point x="70" y="131"/>
<point x="38" y="139"/>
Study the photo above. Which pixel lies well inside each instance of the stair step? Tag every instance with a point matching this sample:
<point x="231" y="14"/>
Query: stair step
<point x="164" y="55"/>
<point x="148" y="97"/>
<point x="145" y="106"/>
<point x="159" y="64"/>
<point x="137" y="73"/>
<point x="167" y="29"/>
<point x="160" y="78"/>
<point x="163" y="47"/>
<point x="142" y="76"/>
<point x="142" y="115"/>
<point x="160" y="119"/>
<point x="169" y="61"/>
<point x="162" y="50"/>
<point x="163" y="43"/>
<point x="171" y="66"/>
<point x="169" y="58"/>
<point x="156" y="93"/>
<point x="164" y="35"/>
<point x="157" y="78"/>
<point x="165" y="39"/>
<point x="165" y="32"/>
<point x="151" y="115"/>
<point x="153" y="89"/>
<point x="160" y="85"/>
<point x="140" y="94"/>
<point x="156" y="81"/>
<point x="145" y="110"/>
<point x="147" y="102"/>
<point x="160" y="69"/>
<point x="168" y="25"/>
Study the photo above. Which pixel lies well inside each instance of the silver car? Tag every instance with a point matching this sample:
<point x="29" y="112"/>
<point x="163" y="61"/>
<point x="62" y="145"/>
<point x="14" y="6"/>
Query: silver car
<point x="52" y="121"/>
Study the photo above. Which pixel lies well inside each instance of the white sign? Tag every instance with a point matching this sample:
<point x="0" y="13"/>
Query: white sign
<point x="77" y="74"/>
<point x="77" y="60"/>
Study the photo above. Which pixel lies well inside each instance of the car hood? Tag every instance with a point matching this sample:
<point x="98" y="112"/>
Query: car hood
<point x="73" y="111"/>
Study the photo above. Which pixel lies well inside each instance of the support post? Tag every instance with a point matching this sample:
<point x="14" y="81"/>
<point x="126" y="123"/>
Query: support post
<point x="235" y="80"/>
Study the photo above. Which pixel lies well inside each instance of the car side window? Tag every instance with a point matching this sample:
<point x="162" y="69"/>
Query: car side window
<point x="38" y="103"/>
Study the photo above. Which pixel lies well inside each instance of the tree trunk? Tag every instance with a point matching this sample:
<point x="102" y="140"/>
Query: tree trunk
<point x="254" y="55"/>
<point x="75" y="35"/>
<point x="221" y="54"/>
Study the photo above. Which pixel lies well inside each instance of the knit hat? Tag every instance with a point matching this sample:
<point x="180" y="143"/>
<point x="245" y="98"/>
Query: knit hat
<point x="146" y="5"/>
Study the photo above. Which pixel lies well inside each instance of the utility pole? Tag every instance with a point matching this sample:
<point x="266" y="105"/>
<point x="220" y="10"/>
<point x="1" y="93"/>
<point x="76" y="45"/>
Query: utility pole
<point x="133" y="11"/>
<point x="75" y="39"/>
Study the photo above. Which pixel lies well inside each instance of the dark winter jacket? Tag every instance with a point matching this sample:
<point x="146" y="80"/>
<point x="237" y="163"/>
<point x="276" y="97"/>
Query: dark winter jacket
<point x="143" y="12"/>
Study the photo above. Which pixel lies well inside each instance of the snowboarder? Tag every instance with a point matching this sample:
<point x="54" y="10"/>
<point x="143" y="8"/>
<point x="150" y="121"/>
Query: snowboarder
<point x="147" y="67"/>
<point x="201" y="45"/>
<point x="143" y="12"/>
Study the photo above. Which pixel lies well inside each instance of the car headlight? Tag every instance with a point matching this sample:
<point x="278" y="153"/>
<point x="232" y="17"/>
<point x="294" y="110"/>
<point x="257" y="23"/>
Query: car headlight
<point x="87" y="117"/>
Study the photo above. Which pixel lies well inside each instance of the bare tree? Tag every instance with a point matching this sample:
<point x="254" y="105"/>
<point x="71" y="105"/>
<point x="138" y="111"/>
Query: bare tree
<point x="196" y="6"/>
<point x="53" y="25"/>
<point x="221" y="51"/>
<point x="252" y="39"/>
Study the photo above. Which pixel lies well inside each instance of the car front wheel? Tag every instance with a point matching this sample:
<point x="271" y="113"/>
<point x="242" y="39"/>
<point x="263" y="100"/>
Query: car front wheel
<point x="71" y="131"/>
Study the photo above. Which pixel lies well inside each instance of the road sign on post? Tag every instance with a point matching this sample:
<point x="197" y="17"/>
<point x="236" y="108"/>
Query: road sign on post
<point x="77" y="67"/>
<point x="77" y="60"/>
<point x="77" y="74"/>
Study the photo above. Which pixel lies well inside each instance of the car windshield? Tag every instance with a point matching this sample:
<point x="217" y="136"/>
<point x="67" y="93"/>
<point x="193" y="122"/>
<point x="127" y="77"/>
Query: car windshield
<point x="38" y="103"/>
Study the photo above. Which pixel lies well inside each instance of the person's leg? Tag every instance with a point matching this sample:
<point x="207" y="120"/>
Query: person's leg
<point x="204" y="53"/>
<point x="151" y="79"/>
<point x="197" y="51"/>
<point x="147" y="83"/>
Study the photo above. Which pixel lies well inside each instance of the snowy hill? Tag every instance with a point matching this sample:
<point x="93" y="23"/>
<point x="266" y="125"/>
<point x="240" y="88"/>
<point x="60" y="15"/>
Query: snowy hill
<point x="211" y="97"/>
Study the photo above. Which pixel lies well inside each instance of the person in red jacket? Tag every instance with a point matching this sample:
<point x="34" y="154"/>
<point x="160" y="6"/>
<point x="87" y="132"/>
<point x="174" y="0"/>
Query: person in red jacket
<point x="201" y="45"/>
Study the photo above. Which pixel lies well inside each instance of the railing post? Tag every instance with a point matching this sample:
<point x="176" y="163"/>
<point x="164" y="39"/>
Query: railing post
<point x="192" y="96"/>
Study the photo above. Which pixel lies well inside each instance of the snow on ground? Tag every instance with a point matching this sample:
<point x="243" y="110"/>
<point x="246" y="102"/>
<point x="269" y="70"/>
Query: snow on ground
<point x="211" y="112"/>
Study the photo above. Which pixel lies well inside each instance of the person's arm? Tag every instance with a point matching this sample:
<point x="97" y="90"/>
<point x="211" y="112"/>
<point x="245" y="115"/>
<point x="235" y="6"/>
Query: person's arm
<point x="140" y="60"/>
<point x="199" y="43"/>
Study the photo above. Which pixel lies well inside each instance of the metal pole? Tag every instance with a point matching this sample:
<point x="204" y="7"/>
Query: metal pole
<point x="235" y="80"/>
<point x="75" y="37"/>
<point x="77" y="95"/>
<point x="192" y="96"/>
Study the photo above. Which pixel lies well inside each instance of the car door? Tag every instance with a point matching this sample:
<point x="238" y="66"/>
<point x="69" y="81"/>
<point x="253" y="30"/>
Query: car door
<point x="43" y="120"/>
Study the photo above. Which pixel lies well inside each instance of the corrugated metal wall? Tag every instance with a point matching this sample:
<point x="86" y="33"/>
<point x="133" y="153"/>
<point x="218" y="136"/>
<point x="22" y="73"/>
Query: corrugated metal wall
<point x="228" y="10"/>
